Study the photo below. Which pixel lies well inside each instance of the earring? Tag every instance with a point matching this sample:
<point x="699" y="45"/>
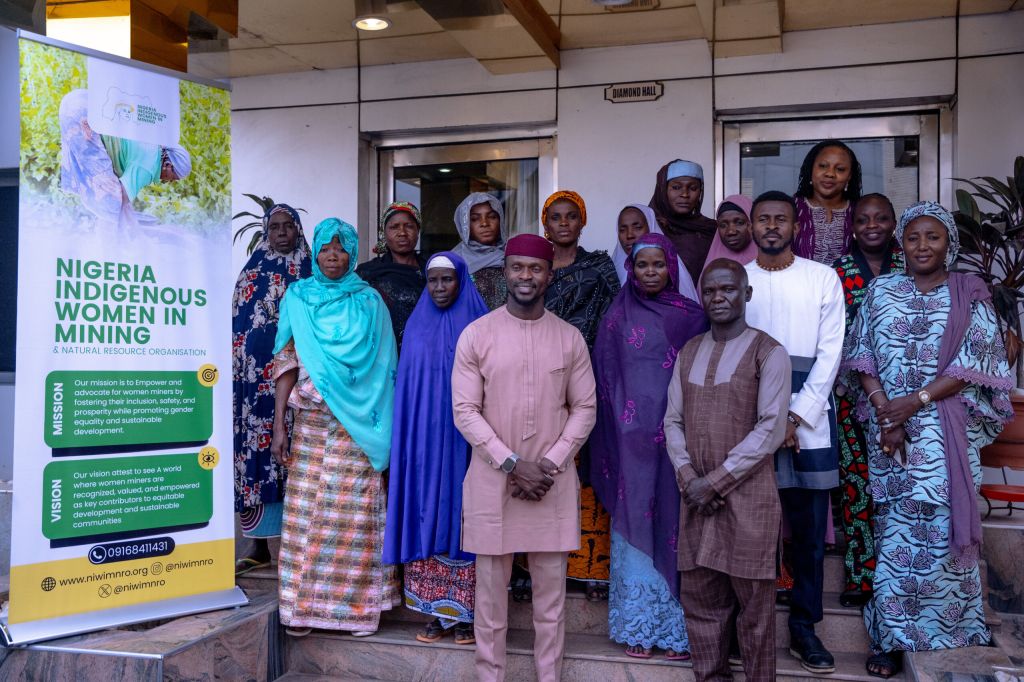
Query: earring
<point x="547" y="235"/>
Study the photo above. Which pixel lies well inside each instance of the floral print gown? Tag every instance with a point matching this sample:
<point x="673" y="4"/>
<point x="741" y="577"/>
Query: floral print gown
<point x="925" y="595"/>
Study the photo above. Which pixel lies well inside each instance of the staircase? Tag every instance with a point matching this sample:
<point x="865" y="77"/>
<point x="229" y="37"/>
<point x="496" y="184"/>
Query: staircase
<point x="393" y="654"/>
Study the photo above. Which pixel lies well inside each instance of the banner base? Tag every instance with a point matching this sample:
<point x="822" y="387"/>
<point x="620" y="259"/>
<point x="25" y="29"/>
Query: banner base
<point x="20" y="634"/>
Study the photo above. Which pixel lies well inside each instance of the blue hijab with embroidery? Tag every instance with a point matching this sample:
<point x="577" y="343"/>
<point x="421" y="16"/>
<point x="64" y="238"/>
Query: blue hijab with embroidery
<point x="343" y="337"/>
<point x="429" y="455"/>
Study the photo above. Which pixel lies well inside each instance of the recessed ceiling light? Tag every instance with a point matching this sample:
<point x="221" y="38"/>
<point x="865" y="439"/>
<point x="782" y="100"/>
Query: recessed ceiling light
<point x="444" y="170"/>
<point x="371" y="15"/>
<point x="371" y="23"/>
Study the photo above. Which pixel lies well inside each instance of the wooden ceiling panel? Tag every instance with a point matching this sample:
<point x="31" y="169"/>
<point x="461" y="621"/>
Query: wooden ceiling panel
<point x="630" y="28"/>
<point x="802" y="15"/>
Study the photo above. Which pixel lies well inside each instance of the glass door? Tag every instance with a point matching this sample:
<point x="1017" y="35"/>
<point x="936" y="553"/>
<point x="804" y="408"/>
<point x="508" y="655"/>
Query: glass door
<point x="900" y="154"/>
<point x="437" y="178"/>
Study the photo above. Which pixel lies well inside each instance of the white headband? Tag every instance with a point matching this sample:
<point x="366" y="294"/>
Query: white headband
<point x="440" y="262"/>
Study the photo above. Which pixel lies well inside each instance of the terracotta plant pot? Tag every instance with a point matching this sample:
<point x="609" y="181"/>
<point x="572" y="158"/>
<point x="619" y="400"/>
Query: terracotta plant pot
<point x="1008" y="448"/>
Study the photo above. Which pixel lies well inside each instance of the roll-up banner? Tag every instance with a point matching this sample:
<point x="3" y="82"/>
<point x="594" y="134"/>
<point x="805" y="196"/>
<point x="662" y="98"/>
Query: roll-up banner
<point x="122" y="507"/>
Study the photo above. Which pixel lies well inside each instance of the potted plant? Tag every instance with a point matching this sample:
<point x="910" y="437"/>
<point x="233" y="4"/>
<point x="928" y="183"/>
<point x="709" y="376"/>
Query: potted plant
<point x="256" y="223"/>
<point x="992" y="247"/>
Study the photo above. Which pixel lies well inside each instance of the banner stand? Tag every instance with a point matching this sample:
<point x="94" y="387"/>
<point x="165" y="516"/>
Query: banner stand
<point x="21" y="634"/>
<point x="122" y="507"/>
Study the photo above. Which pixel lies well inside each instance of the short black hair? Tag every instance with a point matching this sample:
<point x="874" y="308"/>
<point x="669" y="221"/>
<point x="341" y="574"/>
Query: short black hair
<point x="772" y="195"/>
<point x="879" y="196"/>
<point x="726" y="264"/>
<point x="853" y="188"/>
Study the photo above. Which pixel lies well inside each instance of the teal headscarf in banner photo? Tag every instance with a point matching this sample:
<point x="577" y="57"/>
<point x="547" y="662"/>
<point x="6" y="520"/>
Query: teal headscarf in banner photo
<point x="343" y="337"/>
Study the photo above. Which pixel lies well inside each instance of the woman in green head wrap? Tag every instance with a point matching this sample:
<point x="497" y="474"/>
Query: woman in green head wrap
<point x="335" y="367"/>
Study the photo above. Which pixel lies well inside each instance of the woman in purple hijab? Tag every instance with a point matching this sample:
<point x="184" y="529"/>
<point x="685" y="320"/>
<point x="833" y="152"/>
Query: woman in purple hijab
<point x="636" y="347"/>
<point x="429" y="456"/>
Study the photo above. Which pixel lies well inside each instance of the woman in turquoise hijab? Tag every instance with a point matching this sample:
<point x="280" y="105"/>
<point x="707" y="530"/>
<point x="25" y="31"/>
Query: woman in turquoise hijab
<point x="335" y="367"/>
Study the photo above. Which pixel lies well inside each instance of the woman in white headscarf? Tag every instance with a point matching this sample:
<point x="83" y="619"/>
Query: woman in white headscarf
<point x="636" y="220"/>
<point x="480" y="220"/>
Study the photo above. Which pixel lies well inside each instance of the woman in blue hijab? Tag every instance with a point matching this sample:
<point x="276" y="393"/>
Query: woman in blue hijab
<point x="429" y="456"/>
<point x="335" y="367"/>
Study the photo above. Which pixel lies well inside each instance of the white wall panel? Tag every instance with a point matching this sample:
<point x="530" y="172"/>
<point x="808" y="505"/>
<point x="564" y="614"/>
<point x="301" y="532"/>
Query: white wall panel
<point x="306" y="157"/>
<point x="293" y="89"/>
<point x="611" y="153"/>
<point x="686" y="59"/>
<point x="856" y="86"/>
<point x="451" y="76"/>
<point x="460" y="111"/>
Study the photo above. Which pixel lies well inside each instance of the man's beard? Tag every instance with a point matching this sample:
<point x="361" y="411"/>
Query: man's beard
<point x="774" y="250"/>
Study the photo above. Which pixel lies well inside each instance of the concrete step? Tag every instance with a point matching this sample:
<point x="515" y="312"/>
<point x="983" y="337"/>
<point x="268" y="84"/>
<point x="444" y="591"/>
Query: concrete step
<point x="394" y="654"/>
<point x="841" y="630"/>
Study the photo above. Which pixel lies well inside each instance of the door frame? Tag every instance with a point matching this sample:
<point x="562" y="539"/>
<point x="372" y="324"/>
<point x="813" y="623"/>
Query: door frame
<point x="933" y="125"/>
<point x="391" y="152"/>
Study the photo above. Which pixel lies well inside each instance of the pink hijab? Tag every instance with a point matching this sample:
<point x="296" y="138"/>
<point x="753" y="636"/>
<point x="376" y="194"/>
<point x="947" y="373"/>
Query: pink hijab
<point x="720" y="250"/>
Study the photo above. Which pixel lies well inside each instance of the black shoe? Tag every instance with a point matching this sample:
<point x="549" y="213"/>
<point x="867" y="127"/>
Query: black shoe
<point x="812" y="654"/>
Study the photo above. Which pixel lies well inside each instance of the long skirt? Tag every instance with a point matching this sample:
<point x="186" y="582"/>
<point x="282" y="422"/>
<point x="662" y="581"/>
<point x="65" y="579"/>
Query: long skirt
<point x="853" y="473"/>
<point x="641" y="608"/>
<point x="441" y="587"/>
<point x="332" y="576"/>
<point x="590" y="561"/>
<point x="925" y="597"/>
<point x="262" y="521"/>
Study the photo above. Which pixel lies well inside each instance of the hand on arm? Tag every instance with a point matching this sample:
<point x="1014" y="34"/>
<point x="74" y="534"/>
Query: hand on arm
<point x="279" y="441"/>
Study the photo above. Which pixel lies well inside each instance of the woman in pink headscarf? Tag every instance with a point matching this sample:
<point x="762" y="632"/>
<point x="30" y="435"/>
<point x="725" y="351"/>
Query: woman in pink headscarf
<point x="733" y="239"/>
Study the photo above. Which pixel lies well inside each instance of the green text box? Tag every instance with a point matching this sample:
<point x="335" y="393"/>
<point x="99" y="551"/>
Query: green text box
<point x="99" y="496"/>
<point x="96" y="409"/>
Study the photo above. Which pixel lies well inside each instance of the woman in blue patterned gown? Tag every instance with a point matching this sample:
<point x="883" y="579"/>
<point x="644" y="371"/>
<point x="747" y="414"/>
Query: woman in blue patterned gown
<point x="926" y="354"/>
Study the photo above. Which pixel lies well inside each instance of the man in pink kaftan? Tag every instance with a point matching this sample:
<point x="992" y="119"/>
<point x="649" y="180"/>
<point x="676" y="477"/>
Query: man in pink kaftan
<point x="523" y="396"/>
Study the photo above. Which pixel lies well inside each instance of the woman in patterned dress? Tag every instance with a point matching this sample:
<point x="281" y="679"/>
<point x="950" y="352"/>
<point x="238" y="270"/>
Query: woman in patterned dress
<point x="875" y="252"/>
<point x="335" y="367"/>
<point x="926" y="354"/>
<point x="281" y="257"/>
<point x="429" y="457"/>
<point x="829" y="186"/>
<point x="646" y="326"/>
<point x="584" y="285"/>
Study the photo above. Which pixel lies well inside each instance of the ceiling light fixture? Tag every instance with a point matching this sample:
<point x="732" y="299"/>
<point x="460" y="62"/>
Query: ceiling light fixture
<point x="371" y="15"/>
<point x="444" y="170"/>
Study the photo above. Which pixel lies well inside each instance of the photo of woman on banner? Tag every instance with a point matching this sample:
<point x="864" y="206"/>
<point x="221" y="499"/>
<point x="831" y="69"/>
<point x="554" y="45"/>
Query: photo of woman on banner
<point x="106" y="172"/>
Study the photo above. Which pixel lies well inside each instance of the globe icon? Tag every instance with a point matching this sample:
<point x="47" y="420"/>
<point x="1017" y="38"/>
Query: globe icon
<point x="48" y="584"/>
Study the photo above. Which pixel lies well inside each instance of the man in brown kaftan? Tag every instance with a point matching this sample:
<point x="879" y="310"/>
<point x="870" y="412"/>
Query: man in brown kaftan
<point x="726" y="417"/>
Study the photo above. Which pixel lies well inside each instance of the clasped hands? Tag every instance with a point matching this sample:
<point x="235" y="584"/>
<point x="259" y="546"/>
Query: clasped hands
<point x="891" y="417"/>
<point x="700" y="495"/>
<point x="532" y="480"/>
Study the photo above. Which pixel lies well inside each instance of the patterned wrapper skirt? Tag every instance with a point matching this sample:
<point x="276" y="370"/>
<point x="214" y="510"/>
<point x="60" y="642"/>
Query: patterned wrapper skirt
<point x="591" y="560"/>
<point x="641" y="608"/>
<point x="441" y="587"/>
<point x="332" y="537"/>
<point x="925" y="597"/>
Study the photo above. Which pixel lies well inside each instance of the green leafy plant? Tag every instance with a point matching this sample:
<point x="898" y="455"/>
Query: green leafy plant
<point x="255" y="222"/>
<point x="993" y="247"/>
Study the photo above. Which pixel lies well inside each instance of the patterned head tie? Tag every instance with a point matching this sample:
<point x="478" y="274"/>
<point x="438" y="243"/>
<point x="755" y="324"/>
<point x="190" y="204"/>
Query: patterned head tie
<point x="932" y="210"/>
<point x="566" y="195"/>
<point x="393" y="208"/>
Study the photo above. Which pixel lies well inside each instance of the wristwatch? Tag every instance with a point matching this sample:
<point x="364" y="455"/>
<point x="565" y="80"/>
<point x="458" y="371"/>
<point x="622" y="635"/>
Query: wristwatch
<point x="924" y="396"/>
<point x="793" y="420"/>
<point x="509" y="465"/>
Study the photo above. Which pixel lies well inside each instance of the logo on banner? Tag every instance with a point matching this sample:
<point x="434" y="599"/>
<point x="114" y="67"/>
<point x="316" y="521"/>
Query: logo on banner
<point x="133" y="104"/>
